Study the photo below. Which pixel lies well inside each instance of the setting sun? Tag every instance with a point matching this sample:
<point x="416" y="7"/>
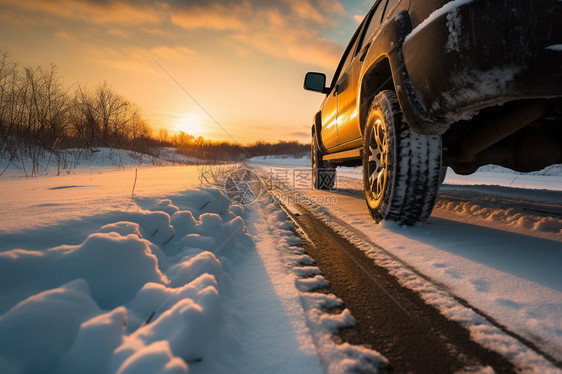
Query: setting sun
<point x="190" y="123"/>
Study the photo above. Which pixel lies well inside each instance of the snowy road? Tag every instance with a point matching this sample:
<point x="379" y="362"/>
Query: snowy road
<point x="495" y="249"/>
<point x="412" y="335"/>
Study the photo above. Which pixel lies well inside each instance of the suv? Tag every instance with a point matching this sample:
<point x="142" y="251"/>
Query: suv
<point x="426" y="84"/>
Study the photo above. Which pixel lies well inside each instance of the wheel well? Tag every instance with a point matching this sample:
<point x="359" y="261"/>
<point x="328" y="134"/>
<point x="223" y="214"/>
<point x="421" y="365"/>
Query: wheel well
<point x="316" y="130"/>
<point x="377" y="78"/>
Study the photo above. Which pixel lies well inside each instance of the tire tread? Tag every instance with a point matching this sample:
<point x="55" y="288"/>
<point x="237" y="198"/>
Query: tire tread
<point x="415" y="170"/>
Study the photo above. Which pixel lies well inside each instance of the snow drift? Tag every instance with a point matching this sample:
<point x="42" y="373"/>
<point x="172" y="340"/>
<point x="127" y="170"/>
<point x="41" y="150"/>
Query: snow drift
<point x="140" y="295"/>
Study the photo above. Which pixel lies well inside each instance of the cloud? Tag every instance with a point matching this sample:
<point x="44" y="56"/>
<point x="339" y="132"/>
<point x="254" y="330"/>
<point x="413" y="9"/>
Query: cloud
<point x="177" y="52"/>
<point x="132" y="59"/>
<point x="140" y="60"/>
<point x="306" y="10"/>
<point x="213" y="16"/>
<point x="320" y="11"/>
<point x="285" y="29"/>
<point x="358" y="18"/>
<point x="63" y="35"/>
<point x="300" y="134"/>
<point x="91" y="11"/>
<point x="295" y="46"/>
<point x="114" y="31"/>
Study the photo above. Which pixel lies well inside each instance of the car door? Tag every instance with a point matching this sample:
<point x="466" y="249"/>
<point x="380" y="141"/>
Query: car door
<point x="346" y="88"/>
<point x="349" y="127"/>
<point x="329" y="115"/>
<point x="330" y="136"/>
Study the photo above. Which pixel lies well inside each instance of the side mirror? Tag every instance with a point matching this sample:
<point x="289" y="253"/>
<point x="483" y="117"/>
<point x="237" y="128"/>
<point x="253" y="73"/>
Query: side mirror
<point x="315" y="82"/>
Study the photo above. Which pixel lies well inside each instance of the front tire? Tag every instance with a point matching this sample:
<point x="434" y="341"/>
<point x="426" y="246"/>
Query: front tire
<point x="401" y="169"/>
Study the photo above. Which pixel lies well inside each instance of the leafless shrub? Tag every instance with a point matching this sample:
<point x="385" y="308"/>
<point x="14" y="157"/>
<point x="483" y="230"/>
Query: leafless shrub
<point x="44" y="123"/>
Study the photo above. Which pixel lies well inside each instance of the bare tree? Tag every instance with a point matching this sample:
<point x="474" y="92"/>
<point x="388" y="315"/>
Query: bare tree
<point x="84" y="116"/>
<point x="111" y="109"/>
<point x="40" y="119"/>
<point x="164" y="136"/>
<point x="46" y="106"/>
<point x="137" y="126"/>
<point x="104" y="117"/>
<point x="7" y="70"/>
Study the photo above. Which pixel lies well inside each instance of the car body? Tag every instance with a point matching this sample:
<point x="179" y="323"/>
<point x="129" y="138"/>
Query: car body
<point x="484" y="76"/>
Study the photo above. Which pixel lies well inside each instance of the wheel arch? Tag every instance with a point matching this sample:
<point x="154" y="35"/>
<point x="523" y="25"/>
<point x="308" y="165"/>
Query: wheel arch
<point x="377" y="78"/>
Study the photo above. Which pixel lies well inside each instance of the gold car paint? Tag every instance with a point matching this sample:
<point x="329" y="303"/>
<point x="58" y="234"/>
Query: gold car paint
<point x="349" y="128"/>
<point x="330" y="136"/>
<point x="348" y="115"/>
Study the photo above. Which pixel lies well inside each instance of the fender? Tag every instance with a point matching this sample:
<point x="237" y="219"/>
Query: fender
<point x="316" y="129"/>
<point x="389" y="43"/>
<point x="415" y="113"/>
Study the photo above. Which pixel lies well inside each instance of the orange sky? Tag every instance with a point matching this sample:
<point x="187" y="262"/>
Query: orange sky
<point x="242" y="61"/>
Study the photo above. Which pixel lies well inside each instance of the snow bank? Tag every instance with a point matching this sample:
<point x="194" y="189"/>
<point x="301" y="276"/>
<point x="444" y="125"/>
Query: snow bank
<point x="280" y="244"/>
<point x="510" y="216"/>
<point x="300" y="160"/>
<point x="114" y="266"/>
<point x="171" y="155"/>
<point x="43" y="326"/>
<point x="139" y="296"/>
<point x="69" y="160"/>
<point x="552" y="170"/>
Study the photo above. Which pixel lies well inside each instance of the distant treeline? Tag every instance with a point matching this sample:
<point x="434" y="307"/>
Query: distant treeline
<point x="227" y="151"/>
<point x="40" y="115"/>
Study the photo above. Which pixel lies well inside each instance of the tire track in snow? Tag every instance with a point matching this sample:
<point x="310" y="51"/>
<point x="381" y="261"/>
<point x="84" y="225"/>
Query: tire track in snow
<point x="482" y="328"/>
<point x="390" y="318"/>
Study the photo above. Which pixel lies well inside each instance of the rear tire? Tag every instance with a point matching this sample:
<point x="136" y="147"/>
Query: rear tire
<point x="323" y="174"/>
<point x="401" y="169"/>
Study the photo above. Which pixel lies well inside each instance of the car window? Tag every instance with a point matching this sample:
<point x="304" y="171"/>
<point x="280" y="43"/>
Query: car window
<point x="374" y="23"/>
<point x="391" y="4"/>
<point x="348" y="55"/>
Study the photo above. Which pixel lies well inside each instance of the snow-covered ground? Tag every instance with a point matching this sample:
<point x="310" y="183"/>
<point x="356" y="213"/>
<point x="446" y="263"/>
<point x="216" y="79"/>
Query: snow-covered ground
<point x="70" y="161"/>
<point x="146" y="271"/>
<point x="302" y="160"/>
<point x="486" y="243"/>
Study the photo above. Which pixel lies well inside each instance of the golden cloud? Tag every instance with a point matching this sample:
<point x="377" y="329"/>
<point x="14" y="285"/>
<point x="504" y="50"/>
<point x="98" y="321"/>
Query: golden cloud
<point x="288" y="29"/>
<point x="173" y="52"/>
<point x="306" y="10"/>
<point x="214" y="16"/>
<point x="116" y="12"/>
<point x="292" y="45"/>
<point x="293" y="35"/>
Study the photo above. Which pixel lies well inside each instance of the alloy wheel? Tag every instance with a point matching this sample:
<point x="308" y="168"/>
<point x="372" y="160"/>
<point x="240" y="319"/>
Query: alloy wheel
<point x="378" y="160"/>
